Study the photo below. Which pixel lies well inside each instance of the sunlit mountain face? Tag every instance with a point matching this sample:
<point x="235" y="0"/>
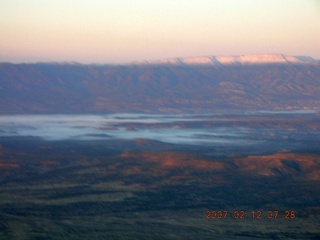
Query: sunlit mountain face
<point x="239" y="60"/>
<point x="181" y="85"/>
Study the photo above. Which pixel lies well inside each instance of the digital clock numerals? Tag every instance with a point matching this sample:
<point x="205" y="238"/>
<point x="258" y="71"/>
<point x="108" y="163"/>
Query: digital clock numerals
<point x="256" y="214"/>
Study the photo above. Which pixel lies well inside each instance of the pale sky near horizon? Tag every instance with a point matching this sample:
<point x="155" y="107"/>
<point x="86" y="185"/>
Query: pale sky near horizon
<point x="120" y="31"/>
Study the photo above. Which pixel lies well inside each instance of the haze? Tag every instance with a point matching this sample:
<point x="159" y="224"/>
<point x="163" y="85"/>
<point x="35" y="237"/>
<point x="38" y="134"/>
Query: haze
<point x="121" y="31"/>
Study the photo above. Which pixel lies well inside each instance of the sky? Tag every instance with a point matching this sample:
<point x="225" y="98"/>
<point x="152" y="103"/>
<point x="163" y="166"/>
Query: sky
<point x="123" y="31"/>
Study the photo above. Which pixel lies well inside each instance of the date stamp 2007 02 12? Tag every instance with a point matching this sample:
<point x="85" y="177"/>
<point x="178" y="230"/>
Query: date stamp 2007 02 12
<point x="255" y="214"/>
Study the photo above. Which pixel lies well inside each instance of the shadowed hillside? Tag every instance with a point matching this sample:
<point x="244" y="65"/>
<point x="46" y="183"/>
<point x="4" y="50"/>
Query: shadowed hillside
<point x="71" y="88"/>
<point x="70" y="189"/>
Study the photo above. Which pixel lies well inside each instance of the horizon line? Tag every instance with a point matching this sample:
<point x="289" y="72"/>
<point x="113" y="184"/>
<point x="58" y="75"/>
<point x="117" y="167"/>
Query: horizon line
<point x="155" y="61"/>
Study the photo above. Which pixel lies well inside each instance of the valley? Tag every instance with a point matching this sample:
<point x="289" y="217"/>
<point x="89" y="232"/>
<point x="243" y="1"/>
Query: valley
<point x="112" y="186"/>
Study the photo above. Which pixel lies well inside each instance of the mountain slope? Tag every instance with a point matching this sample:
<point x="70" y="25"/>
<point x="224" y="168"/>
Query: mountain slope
<point x="73" y="88"/>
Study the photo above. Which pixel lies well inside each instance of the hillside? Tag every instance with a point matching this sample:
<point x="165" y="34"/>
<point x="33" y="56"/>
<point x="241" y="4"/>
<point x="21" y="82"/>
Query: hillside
<point x="182" y="85"/>
<point x="80" y="190"/>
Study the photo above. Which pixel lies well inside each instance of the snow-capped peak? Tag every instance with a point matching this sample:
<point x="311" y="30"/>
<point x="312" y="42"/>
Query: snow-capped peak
<point x="241" y="59"/>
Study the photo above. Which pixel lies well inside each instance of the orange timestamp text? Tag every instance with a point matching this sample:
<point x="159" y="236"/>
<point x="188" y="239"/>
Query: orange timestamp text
<point x="255" y="214"/>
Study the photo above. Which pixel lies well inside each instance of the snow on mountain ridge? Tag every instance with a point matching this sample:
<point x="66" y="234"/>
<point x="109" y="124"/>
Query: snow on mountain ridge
<point x="241" y="59"/>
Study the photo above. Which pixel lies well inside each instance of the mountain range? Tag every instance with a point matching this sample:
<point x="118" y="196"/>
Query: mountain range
<point x="241" y="59"/>
<point x="177" y="85"/>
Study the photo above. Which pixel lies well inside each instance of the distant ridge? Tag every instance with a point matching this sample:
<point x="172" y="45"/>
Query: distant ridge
<point x="237" y="60"/>
<point x="180" y="85"/>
